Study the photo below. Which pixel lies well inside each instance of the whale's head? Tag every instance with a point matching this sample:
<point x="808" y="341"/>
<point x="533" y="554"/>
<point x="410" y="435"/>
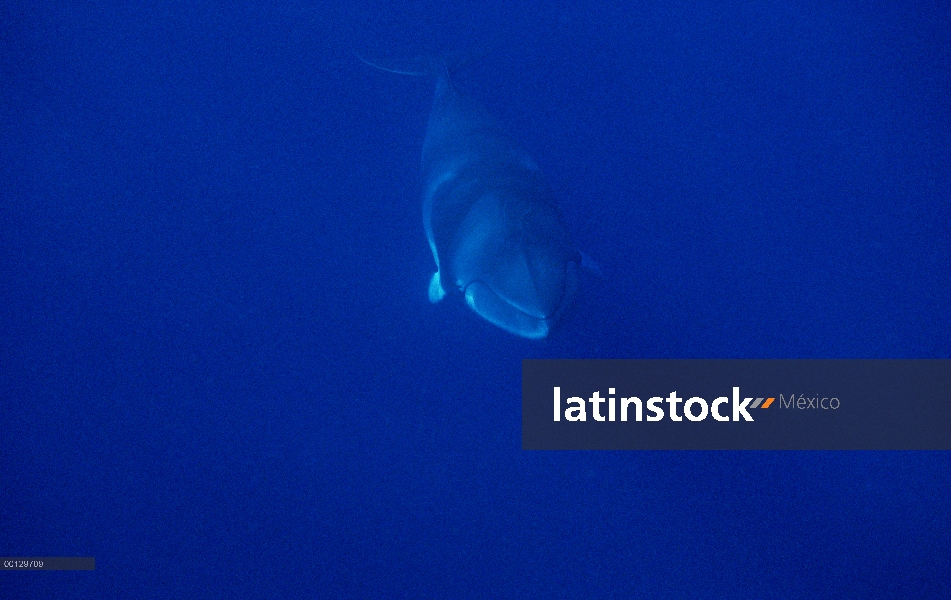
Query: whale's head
<point x="514" y="264"/>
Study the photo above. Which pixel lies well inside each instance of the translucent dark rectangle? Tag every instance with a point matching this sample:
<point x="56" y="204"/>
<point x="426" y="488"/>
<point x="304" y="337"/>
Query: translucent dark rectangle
<point x="799" y="404"/>
<point x="48" y="563"/>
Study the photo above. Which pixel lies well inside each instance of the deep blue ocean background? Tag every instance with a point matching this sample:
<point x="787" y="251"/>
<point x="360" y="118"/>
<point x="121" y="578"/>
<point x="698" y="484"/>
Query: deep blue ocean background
<point x="220" y="374"/>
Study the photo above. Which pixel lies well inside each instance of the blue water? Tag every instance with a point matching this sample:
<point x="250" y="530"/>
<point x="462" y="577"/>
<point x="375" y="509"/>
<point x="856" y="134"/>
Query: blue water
<point x="220" y="374"/>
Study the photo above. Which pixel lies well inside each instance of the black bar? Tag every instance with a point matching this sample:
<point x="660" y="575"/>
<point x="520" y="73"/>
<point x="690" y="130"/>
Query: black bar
<point x="836" y="404"/>
<point x="48" y="563"/>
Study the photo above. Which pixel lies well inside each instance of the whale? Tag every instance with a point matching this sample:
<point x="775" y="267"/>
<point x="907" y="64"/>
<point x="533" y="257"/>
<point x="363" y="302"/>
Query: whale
<point x="493" y="224"/>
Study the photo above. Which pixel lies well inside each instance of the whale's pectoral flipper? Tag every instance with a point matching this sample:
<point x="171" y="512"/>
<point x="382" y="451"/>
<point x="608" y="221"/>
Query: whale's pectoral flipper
<point x="436" y="291"/>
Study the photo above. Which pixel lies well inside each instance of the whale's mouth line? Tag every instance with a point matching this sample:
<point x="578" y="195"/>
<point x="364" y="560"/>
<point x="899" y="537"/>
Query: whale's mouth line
<point x="557" y="308"/>
<point x="486" y="303"/>
<point x="509" y="303"/>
